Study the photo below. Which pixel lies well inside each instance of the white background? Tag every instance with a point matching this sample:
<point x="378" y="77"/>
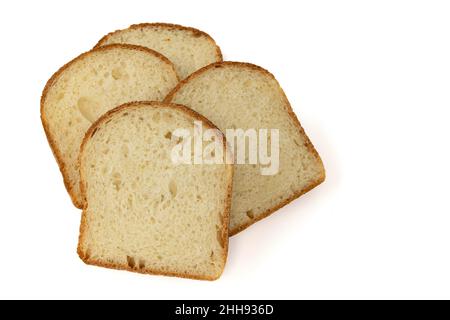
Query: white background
<point x="370" y="82"/>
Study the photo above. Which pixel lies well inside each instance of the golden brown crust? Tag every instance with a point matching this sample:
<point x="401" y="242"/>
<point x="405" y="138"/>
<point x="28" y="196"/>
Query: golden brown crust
<point x="291" y="113"/>
<point x="142" y="271"/>
<point x="195" y="32"/>
<point x="226" y="214"/>
<point x="226" y="217"/>
<point x="50" y="83"/>
<point x="267" y="213"/>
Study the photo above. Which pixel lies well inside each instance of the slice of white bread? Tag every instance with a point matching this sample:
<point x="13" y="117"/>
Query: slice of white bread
<point x="241" y="95"/>
<point x="90" y="85"/>
<point x="144" y="213"/>
<point x="189" y="49"/>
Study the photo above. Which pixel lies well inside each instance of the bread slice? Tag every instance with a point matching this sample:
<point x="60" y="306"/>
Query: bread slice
<point x="92" y="84"/>
<point x="188" y="48"/>
<point x="143" y="213"/>
<point x="241" y="95"/>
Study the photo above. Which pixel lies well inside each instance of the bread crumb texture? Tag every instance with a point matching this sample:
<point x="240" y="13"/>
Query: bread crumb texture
<point x="188" y="48"/>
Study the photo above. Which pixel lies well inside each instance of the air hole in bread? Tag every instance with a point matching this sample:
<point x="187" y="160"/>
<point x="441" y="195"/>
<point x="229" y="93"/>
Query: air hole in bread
<point x="250" y="214"/>
<point x="176" y="139"/>
<point x="165" y="205"/>
<point x="247" y="84"/>
<point x="125" y="150"/>
<point x="173" y="188"/>
<point x="156" y="117"/>
<point x="60" y="96"/>
<point x="117" y="180"/>
<point x="117" y="73"/>
<point x="87" y="107"/>
<point x="141" y="264"/>
<point x="167" y="117"/>
<point x="130" y="261"/>
<point x="219" y="237"/>
<point x="168" y="135"/>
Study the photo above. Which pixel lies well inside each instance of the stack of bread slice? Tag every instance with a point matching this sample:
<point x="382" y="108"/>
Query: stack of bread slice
<point x="110" y="116"/>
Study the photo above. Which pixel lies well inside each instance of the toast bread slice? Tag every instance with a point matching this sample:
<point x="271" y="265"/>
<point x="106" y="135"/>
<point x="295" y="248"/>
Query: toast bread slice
<point x="88" y="86"/>
<point x="242" y="95"/>
<point x="143" y="213"/>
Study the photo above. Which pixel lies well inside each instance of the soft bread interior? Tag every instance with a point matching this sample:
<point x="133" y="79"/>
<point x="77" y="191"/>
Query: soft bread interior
<point x="188" y="48"/>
